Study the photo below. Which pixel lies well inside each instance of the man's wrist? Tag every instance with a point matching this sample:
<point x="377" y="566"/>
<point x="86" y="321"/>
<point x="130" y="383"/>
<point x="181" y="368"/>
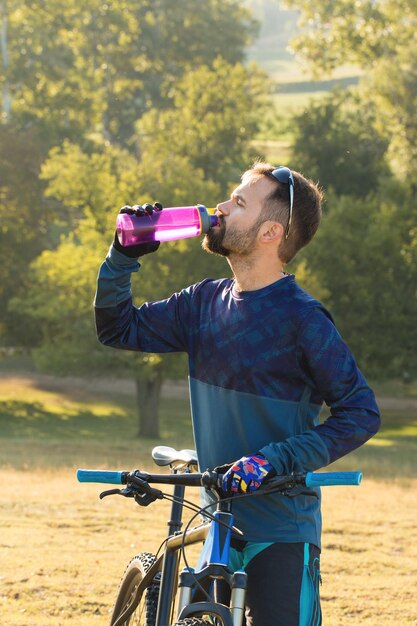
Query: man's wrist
<point x="118" y="259"/>
<point x="277" y="465"/>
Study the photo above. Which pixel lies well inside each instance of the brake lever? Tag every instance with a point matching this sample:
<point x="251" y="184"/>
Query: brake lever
<point x="290" y="491"/>
<point x="300" y="492"/>
<point x="127" y="493"/>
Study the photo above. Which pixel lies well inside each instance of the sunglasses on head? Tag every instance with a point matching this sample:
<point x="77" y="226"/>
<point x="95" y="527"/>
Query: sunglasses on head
<point x="284" y="175"/>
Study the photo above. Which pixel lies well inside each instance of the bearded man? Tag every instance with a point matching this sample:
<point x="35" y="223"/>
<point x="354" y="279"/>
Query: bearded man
<point x="264" y="356"/>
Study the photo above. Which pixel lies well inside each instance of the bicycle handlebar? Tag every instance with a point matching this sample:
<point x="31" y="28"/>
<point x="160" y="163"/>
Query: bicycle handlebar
<point x="208" y="478"/>
<point x="101" y="476"/>
<point x="328" y="479"/>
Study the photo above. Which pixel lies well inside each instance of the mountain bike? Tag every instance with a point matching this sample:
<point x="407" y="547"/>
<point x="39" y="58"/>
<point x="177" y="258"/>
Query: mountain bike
<point x="152" y="591"/>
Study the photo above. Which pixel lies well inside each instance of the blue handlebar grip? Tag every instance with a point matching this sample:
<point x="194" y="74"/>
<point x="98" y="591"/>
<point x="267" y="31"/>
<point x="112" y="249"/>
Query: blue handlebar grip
<point x="99" y="476"/>
<point x="327" y="479"/>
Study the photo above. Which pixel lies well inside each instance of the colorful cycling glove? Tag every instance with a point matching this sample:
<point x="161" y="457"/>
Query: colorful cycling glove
<point x="247" y="474"/>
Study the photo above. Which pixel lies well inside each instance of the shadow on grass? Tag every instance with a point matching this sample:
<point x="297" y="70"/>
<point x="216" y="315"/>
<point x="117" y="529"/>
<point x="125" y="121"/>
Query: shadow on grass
<point x="35" y="420"/>
<point x="70" y="428"/>
<point x="36" y="434"/>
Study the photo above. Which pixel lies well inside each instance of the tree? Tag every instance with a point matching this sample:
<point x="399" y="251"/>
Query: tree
<point x="85" y="72"/>
<point x="380" y="38"/>
<point x="26" y="222"/>
<point x="336" y="142"/>
<point x="62" y="282"/>
<point x="336" y="32"/>
<point x="393" y="88"/>
<point x="6" y="100"/>
<point x="364" y="255"/>
<point x="77" y="68"/>
<point x="215" y="112"/>
<point x="90" y="187"/>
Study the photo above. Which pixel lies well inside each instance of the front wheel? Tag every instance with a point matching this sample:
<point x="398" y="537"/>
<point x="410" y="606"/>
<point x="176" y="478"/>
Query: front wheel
<point x="144" y="604"/>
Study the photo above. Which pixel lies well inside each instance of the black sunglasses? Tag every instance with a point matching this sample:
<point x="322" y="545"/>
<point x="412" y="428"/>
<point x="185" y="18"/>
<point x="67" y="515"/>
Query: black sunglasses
<point x="284" y="175"/>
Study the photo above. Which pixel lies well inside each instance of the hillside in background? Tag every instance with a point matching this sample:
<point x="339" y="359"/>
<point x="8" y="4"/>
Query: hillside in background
<point x="271" y="50"/>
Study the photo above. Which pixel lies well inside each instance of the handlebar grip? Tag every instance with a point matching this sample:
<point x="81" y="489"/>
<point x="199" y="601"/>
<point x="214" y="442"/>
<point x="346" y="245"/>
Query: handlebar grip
<point x="100" y="476"/>
<point x="327" y="479"/>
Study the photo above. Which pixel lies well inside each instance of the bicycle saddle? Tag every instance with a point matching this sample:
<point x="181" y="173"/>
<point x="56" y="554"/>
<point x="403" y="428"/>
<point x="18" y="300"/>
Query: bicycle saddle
<point x="164" y="455"/>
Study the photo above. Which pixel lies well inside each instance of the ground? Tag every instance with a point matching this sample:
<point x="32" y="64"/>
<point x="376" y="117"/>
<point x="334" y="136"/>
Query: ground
<point x="63" y="550"/>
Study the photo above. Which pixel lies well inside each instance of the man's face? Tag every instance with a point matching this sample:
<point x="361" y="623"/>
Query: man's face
<point x="240" y="219"/>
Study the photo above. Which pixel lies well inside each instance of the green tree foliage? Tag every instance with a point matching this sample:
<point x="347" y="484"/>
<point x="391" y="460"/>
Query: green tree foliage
<point x="214" y="112"/>
<point x="90" y="183"/>
<point x="381" y="38"/>
<point x="25" y="220"/>
<point x="364" y="255"/>
<point x="337" y="143"/>
<point x="335" y="32"/>
<point x="393" y="89"/>
<point x="91" y="186"/>
<point x="85" y="72"/>
<point x="82" y="74"/>
<point x="79" y="67"/>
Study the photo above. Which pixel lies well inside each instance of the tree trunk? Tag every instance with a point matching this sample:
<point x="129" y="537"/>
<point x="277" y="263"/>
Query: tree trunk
<point x="148" y="393"/>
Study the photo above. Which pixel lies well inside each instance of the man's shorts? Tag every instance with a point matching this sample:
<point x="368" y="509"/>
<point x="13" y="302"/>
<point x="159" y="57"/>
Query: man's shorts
<point x="283" y="582"/>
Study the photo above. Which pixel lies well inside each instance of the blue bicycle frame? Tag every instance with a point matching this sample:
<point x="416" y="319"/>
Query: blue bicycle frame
<point x="213" y="566"/>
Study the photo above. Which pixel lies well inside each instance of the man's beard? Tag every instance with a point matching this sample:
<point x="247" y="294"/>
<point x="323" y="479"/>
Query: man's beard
<point x="213" y="240"/>
<point x="234" y="242"/>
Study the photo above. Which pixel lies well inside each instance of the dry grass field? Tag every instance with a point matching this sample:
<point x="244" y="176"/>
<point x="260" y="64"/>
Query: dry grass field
<point x="62" y="550"/>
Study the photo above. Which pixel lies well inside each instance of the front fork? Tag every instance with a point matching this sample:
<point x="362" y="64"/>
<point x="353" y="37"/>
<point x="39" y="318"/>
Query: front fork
<point x="213" y="567"/>
<point x="230" y="616"/>
<point x="237" y="601"/>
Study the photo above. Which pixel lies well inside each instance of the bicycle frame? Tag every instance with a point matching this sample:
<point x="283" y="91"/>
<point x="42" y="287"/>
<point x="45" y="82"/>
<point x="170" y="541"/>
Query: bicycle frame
<point x="214" y="561"/>
<point x="216" y="534"/>
<point x="213" y="566"/>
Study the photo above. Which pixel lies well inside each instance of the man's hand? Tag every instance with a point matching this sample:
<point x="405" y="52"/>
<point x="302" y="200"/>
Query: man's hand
<point x="247" y="474"/>
<point x="140" y="249"/>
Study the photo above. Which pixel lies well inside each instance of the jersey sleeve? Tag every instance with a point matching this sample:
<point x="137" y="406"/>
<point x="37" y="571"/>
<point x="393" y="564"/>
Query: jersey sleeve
<point x="327" y="365"/>
<point x="160" y="326"/>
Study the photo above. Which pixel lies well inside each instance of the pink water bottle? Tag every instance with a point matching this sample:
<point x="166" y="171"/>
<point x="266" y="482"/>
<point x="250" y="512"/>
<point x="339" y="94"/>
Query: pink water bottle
<point x="166" y="225"/>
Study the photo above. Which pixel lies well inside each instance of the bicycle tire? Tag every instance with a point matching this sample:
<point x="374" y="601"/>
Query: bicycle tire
<point x="145" y="611"/>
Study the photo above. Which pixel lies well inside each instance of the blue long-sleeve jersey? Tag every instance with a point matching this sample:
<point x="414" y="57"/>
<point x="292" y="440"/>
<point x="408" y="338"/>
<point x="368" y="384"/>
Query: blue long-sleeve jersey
<point x="261" y="365"/>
